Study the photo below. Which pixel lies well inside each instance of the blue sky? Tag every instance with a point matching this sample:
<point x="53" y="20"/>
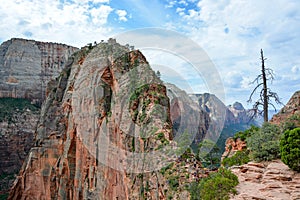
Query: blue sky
<point x="230" y="32"/>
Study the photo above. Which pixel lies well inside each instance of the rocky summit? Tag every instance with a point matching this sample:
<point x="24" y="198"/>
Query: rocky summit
<point x="26" y="66"/>
<point x="105" y="132"/>
<point x="290" y="109"/>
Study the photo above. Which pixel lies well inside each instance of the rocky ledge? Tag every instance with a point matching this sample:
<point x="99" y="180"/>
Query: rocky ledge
<point x="267" y="180"/>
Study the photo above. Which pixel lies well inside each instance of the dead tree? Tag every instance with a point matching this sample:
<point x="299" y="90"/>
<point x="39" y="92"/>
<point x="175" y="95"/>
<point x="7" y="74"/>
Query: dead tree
<point x="265" y="94"/>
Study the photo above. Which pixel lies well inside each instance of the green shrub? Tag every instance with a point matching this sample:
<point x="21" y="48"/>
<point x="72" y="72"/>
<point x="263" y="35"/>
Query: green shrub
<point x="264" y="144"/>
<point x="291" y="123"/>
<point x="209" y="154"/>
<point x="173" y="182"/>
<point x="218" y="185"/>
<point x="243" y="135"/>
<point x="164" y="169"/>
<point x="290" y="148"/>
<point x="194" y="190"/>
<point x="239" y="158"/>
<point x="4" y="196"/>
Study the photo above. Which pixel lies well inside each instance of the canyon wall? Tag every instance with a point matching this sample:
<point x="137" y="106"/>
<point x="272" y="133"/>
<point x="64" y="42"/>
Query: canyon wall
<point x="26" y="66"/>
<point x="104" y="132"/>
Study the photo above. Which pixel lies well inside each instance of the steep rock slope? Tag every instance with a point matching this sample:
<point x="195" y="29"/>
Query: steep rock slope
<point x="225" y="121"/>
<point x="229" y="115"/>
<point x="18" y="120"/>
<point x="185" y="112"/>
<point x="291" y="108"/>
<point x="26" y="66"/>
<point x="104" y="132"/>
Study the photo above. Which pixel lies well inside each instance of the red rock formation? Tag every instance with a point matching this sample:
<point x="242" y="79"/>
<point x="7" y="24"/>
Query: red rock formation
<point x="102" y="132"/>
<point x="267" y="180"/>
<point x="291" y="108"/>
<point x="232" y="146"/>
<point x="26" y="66"/>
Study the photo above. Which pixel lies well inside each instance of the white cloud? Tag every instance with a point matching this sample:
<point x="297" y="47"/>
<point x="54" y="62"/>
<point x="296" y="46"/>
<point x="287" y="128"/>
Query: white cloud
<point x="171" y="4"/>
<point x="72" y="23"/>
<point x="296" y="70"/>
<point x="92" y="1"/>
<point x="100" y="1"/>
<point x="100" y="15"/>
<point x="178" y="10"/>
<point x="183" y="2"/>
<point x="122" y="15"/>
<point x="233" y="32"/>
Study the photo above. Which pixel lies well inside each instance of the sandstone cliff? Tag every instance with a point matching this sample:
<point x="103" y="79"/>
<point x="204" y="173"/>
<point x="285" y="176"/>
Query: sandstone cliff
<point x="181" y="103"/>
<point x="26" y="66"/>
<point x="18" y="120"/>
<point x="291" y="108"/>
<point x="104" y="133"/>
<point x="229" y="115"/>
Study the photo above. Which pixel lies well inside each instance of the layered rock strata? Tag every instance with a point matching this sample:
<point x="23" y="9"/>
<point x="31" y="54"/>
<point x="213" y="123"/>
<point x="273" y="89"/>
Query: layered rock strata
<point x="266" y="181"/>
<point x="16" y="139"/>
<point x="26" y="66"/>
<point x="104" y="133"/>
<point x="290" y="109"/>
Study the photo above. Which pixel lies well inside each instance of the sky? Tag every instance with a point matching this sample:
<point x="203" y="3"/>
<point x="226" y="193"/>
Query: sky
<point x="230" y="32"/>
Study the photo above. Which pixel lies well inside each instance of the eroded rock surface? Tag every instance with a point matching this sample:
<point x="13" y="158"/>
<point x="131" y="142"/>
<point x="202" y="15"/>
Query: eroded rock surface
<point x="104" y="132"/>
<point x="26" y="66"/>
<point x="185" y="112"/>
<point x="291" y="108"/>
<point x="16" y="139"/>
<point x="266" y="181"/>
<point x="232" y="146"/>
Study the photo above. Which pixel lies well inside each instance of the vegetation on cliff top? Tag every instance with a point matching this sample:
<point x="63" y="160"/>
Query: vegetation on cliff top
<point x="8" y="106"/>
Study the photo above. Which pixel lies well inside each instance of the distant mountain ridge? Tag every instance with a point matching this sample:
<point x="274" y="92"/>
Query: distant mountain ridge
<point x="234" y="114"/>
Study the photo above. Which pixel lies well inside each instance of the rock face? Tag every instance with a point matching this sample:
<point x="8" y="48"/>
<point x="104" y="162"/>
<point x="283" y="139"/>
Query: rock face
<point x="268" y="180"/>
<point x="185" y="112"/>
<point x="230" y="115"/>
<point x="104" y="132"/>
<point x="26" y="66"/>
<point x="240" y="114"/>
<point x="291" y="108"/>
<point x="16" y="139"/>
<point x="232" y="146"/>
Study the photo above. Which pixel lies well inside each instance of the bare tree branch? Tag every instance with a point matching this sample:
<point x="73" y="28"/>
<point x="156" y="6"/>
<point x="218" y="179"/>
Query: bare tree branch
<point x="250" y="98"/>
<point x="265" y="94"/>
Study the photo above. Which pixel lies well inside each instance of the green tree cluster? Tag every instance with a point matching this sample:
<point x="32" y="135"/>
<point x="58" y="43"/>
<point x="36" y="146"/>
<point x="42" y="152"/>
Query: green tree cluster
<point x="264" y="144"/>
<point x="218" y="185"/>
<point x="239" y="158"/>
<point x="290" y="148"/>
<point x="208" y="154"/>
<point x="243" y="135"/>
